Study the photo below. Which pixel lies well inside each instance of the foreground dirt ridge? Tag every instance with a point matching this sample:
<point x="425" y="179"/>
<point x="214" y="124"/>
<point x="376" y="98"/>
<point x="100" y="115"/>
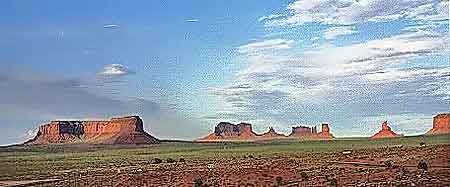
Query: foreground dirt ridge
<point x="123" y="130"/>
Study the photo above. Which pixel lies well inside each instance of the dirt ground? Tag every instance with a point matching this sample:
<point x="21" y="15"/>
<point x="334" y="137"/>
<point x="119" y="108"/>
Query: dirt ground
<point x="372" y="167"/>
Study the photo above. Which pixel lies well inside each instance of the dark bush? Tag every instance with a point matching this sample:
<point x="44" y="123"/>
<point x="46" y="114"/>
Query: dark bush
<point x="333" y="182"/>
<point x="422" y="165"/>
<point x="157" y="161"/>
<point x="198" y="182"/>
<point x="170" y="160"/>
<point x="388" y="163"/>
<point x="279" y="181"/>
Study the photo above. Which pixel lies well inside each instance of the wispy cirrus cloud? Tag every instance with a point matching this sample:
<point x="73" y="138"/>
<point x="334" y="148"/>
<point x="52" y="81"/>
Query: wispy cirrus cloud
<point x="272" y="44"/>
<point x="334" y="32"/>
<point x="270" y="17"/>
<point x="344" y="12"/>
<point x="192" y="20"/>
<point x="366" y="78"/>
<point x="109" y="26"/>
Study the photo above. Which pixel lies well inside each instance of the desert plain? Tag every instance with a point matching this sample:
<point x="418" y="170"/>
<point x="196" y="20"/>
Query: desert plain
<point x="403" y="161"/>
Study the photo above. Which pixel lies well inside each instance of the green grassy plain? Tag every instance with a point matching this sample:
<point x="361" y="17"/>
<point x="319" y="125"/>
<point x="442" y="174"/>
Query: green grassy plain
<point x="28" y="161"/>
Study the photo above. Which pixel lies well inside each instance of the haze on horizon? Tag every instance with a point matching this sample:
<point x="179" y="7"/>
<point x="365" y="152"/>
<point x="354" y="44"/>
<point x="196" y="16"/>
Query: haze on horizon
<point x="184" y="66"/>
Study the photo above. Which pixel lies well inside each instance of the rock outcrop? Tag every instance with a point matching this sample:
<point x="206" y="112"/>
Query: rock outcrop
<point x="226" y="131"/>
<point x="311" y="133"/>
<point x="229" y="131"/>
<point x="271" y="134"/>
<point x="385" y="132"/>
<point x="124" y="130"/>
<point x="441" y="124"/>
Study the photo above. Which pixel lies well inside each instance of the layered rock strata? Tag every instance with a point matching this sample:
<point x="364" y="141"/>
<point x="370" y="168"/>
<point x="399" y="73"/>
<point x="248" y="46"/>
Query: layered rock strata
<point x="441" y="124"/>
<point x="124" y="130"/>
<point x="226" y="131"/>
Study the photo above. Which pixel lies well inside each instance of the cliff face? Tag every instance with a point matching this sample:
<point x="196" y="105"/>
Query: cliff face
<point x="385" y="132"/>
<point x="311" y="133"/>
<point x="125" y="130"/>
<point x="229" y="131"/>
<point x="441" y="124"/>
<point x="225" y="131"/>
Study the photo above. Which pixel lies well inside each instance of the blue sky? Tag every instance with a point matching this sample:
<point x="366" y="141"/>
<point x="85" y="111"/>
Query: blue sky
<point x="184" y="66"/>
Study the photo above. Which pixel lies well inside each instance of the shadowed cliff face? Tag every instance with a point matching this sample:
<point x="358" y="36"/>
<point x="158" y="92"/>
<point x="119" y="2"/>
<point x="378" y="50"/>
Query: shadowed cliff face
<point x="231" y="130"/>
<point x="125" y="130"/>
<point x="441" y="124"/>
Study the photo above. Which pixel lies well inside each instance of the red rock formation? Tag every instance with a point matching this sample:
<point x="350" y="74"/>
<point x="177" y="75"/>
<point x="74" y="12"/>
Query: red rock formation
<point x="125" y="130"/>
<point x="385" y="132"/>
<point x="441" y="124"/>
<point x="325" y="134"/>
<point x="311" y="133"/>
<point x="225" y="131"/>
<point x="301" y="131"/>
<point x="229" y="131"/>
<point x="271" y="134"/>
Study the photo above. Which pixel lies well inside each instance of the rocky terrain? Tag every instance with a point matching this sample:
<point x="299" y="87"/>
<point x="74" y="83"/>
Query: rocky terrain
<point x="441" y="124"/>
<point x="124" y="130"/>
<point x="226" y="131"/>
<point x="412" y="166"/>
<point x="385" y="132"/>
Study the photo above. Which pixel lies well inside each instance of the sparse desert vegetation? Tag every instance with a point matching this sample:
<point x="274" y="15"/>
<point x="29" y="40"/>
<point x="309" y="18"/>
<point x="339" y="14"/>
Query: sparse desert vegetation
<point x="268" y="163"/>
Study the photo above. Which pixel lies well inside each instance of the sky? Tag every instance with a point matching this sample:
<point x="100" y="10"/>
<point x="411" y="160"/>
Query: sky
<point x="184" y="66"/>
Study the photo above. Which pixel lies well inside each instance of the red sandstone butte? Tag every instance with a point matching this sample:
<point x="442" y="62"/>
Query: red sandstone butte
<point x="311" y="133"/>
<point x="124" y="130"/>
<point x="385" y="132"/>
<point x="229" y="131"/>
<point x="441" y="124"/>
<point x="226" y="131"/>
<point x="271" y="134"/>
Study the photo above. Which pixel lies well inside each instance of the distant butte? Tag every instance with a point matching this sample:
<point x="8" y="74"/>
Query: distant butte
<point x="441" y="124"/>
<point x="385" y="132"/>
<point x="226" y="131"/>
<point x="124" y="130"/>
<point x="311" y="133"/>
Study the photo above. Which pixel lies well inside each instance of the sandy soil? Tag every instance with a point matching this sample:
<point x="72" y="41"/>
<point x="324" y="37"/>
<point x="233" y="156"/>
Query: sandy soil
<point x="358" y="168"/>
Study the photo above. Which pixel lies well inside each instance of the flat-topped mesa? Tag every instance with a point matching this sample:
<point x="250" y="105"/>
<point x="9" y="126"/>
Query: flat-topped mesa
<point x="441" y="124"/>
<point x="124" y="130"/>
<point x="229" y="131"/>
<point x="311" y="132"/>
<point x="385" y="132"/>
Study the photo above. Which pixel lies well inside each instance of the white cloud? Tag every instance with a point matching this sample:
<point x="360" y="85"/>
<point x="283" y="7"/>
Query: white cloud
<point x="328" y="79"/>
<point x="334" y="32"/>
<point x="110" y="26"/>
<point x="344" y="12"/>
<point x="192" y="20"/>
<point x="115" y="70"/>
<point x="270" y="17"/>
<point x="273" y="44"/>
